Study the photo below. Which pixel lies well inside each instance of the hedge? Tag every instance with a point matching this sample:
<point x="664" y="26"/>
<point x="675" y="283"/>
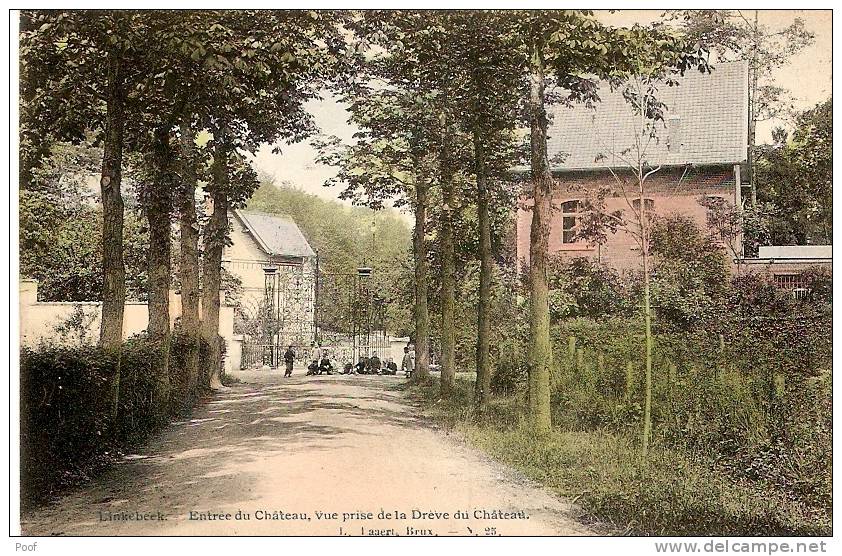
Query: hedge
<point x="66" y="429"/>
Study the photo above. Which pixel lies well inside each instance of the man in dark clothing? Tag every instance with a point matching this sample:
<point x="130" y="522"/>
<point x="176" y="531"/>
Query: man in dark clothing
<point x="374" y="364"/>
<point x="391" y="367"/>
<point x="362" y="365"/>
<point x="325" y="366"/>
<point x="289" y="359"/>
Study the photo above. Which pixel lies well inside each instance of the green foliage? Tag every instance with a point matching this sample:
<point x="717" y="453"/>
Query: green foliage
<point x="797" y="178"/>
<point x="741" y="229"/>
<point x="64" y="409"/>
<point x="740" y="405"/>
<point x="508" y="329"/>
<point x="76" y="327"/>
<point x="675" y="493"/>
<point x="65" y="427"/>
<point x="67" y="433"/>
<point x="581" y="287"/>
<point x="819" y="281"/>
<point x="690" y="275"/>
<point x="346" y="237"/>
<point x="60" y="246"/>
<point x="727" y="393"/>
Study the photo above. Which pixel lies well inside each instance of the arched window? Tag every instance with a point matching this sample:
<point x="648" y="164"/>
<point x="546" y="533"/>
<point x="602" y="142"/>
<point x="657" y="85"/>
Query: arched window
<point x="569" y="213"/>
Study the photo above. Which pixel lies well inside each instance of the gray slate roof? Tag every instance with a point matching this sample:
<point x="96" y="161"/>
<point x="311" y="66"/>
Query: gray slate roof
<point x="712" y="111"/>
<point x="277" y="235"/>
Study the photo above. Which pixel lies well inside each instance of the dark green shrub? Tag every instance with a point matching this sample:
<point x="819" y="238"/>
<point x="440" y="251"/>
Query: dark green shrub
<point x="65" y="414"/>
<point x="819" y="282"/>
<point x="509" y="373"/>
<point x="581" y="287"/>
<point x="68" y="429"/>
<point x="184" y="395"/>
<point x="141" y="412"/>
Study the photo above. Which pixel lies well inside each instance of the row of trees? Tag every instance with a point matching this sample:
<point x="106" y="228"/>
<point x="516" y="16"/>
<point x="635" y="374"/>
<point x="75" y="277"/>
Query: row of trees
<point x="439" y="99"/>
<point x="439" y="102"/>
<point x="188" y="94"/>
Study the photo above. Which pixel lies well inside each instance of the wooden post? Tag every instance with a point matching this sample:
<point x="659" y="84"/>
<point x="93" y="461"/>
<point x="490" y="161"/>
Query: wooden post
<point x="780" y="385"/>
<point x="629" y="378"/>
<point x="738" y="202"/>
<point x="600" y="364"/>
<point x="571" y="346"/>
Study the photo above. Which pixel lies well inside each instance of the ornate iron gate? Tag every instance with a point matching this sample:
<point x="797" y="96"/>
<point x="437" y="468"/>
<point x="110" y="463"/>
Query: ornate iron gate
<point x="303" y="307"/>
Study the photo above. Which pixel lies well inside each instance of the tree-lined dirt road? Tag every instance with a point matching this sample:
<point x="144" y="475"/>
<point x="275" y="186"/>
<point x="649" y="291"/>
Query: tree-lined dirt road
<point x="289" y="453"/>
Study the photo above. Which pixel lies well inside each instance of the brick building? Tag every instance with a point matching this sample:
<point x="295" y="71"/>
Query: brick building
<point x="701" y="150"/>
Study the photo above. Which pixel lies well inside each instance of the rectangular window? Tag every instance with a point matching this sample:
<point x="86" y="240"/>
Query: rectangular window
<point x="649" y="204"/>
<point x="794" y="283"/>
<point x="569" y="212"/>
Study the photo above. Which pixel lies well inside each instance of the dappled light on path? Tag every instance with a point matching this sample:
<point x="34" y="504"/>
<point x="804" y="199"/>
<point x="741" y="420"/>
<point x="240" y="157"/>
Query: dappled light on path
<point x="298" y="446"/>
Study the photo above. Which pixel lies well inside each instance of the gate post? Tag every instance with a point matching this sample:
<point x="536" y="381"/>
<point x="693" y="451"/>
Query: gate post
<point x="316" y="302"/>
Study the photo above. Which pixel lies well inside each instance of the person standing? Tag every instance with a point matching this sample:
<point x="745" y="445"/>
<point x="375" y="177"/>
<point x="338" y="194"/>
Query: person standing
<point x="408" y="363"/>
<point x="374" y="364"/>
<point x="289" y="359"/>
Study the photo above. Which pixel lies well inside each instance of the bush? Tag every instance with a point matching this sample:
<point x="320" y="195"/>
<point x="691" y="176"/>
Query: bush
<point x="509" y="373"/>
<point x="749" y="393"/>
<point x="581" y="287"/>
<point x="184" y="396"/>
<point x="819" y="285"/>
<point x="690" y="277"/>
<point x="65" y="409"/>
<point x="68" y="428"/>
<point x="673" y="493"/>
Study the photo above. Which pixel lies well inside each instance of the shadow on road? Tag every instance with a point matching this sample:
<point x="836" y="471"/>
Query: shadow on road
<point x="253" y="420"/>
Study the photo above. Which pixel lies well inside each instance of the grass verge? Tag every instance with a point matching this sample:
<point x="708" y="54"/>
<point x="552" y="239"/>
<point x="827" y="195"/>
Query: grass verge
<point x="674" y="494"/>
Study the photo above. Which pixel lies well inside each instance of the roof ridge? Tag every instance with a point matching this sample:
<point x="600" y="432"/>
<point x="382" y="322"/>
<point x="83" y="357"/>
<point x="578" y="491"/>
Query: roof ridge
<point x="256" y="222"/>
<point x="265" y="213"/>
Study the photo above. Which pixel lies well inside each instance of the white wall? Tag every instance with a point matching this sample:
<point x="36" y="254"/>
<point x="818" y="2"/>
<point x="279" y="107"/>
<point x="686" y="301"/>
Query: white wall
<point x="795" y="252"/>
<point x="39" y="320"/>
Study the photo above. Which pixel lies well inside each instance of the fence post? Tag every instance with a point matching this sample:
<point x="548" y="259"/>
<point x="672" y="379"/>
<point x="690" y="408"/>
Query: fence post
<point x="629" y="378"/>
<point x="780" y="385"/>
<point x="571" y="346"/>
<point x="600" y="368"/>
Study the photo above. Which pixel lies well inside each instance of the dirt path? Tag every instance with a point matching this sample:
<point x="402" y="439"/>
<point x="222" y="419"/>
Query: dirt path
<point x="281" y="450"/>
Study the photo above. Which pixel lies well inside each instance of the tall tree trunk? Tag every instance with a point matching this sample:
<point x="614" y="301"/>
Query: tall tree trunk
<point x="158" y="208"/>
<point x="113" y="268"/>
<point x="216" y="233"/>
<point x="647" y="407"/>
<point x="189" y="264"/>
<point x="482" y="387"/>
<point x="540" y="349"/>
<point x="448" y="270"/>
<point x="422" y="317"/>
<point x="647" y="308"/>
